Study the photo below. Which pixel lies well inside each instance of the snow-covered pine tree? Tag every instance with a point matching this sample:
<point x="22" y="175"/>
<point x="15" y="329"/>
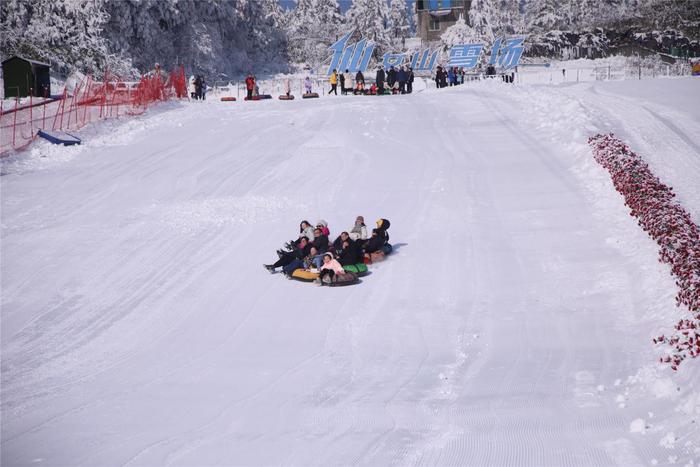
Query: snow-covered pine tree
<point x="66" y="33"/>
<point x="510" y="20"/>
<point x="458" y="33"/>
<point x="399" y="23"/>
<point x="543" y="16"/>
<point x="312" y="27"/>
<point x="369" y="19"/>
<point x="483" y="16"/>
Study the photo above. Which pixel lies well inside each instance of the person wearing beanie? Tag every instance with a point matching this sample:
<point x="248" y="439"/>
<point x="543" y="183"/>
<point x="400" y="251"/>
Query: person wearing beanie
<point x="359" y="230"/>
<point x="323" y="225"/>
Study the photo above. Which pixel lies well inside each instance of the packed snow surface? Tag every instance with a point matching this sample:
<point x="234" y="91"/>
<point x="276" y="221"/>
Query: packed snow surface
<point x="511" y="326"/>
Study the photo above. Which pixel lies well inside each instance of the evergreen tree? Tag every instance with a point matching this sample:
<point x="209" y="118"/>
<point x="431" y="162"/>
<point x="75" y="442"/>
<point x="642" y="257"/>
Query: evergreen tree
<point x="483" y="16"/>
<point x="458" y="33"/>
<point x="312" y="27"/>
<point x="399" y="23"/>
<point x="543" y="16"/>
<point x="369" y="18"/>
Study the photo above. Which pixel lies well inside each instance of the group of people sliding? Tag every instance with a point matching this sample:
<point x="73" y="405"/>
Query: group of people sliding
<point x="313" y="249"/>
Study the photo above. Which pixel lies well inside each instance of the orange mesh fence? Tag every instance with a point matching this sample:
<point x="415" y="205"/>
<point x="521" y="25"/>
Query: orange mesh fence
<point x="88" y="101"/>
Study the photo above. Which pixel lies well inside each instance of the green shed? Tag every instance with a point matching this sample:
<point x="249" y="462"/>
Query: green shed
<point x="21" y="74"/>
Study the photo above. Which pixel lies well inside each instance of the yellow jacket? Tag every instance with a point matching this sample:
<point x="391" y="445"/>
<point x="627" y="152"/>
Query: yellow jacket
<point x="334" y="78"/>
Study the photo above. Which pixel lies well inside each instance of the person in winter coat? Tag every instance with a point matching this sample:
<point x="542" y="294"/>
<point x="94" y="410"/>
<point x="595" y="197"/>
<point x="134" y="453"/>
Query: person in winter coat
<point x="191" y="87"/>
<point x="198" y="87"/>
<point x="350" y="253"/>
<point x="323" y="225"/>
<point x="348" y="81"/>
<point x="334" y="83"/>
<point x="380" y="80"/>
<point x="375" y="242"/>
<point x="204" y="89"/>
<point x="359" y="83"/>
<point x="320" y="241"/>
<point x="451" y="76"/>
<point x="249" y="85"/>
<point x="305" y="230"/>
<point x="402" y="76"/>
<point x="391" y="77"/>
<point x="307" y="85"/>
<point x="341" y="78"/>
<point x="330" y="267"/>
<point x="359" y="230"/>
<point x="338" y="242"/>
<point x="409" y="82"/>
<point x="287" y="86"/>
<point x="382" y="227"/>
<point x="443" y="79"/>
<point x="299" y="251"/>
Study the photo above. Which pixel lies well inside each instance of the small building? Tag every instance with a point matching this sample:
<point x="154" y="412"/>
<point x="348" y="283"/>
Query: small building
<point x="435" y="16"/>
<point x="22" y="74"/>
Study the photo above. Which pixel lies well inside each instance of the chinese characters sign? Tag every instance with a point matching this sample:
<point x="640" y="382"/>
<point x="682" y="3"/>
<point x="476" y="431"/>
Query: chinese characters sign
<point x="505" y="53"/>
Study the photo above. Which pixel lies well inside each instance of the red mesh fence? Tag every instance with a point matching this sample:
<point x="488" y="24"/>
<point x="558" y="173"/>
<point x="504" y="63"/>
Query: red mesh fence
<point x="88" y="101"/>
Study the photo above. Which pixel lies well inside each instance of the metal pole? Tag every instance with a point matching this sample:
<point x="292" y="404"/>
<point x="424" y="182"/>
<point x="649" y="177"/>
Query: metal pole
<point x="14" y="123"/>
<point x="31" y="122"/>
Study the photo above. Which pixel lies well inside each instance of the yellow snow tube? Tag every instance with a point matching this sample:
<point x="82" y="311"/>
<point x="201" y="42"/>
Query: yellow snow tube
<point x="304" y="275"/>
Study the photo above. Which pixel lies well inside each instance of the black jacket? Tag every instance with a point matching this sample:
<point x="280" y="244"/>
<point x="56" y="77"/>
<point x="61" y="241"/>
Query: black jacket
<point x="391" y="77"/>
<point x="351" y="254"/>
<point x="320" y="243"/>
<point x="380" y="77"/>
<point x="359" y="77"/>
<point x="375" y="243"/>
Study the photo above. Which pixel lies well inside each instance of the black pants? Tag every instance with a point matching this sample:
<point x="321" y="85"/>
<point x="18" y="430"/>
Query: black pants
<point x="402" y="87"/>
<point x="380" y="89"/>
<point x="327" y="272"/>
<point x="250" y="94"/>
<point x="334" y="89"/>
<point x="409" y="87"/>
<point x="284" y="260"/>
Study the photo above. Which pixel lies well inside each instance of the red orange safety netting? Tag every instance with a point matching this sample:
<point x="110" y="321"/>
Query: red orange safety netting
<point x="84" y="101"/>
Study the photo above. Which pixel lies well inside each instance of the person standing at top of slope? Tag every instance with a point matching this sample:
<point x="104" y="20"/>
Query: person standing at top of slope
<point x="249" y="85"/>
<point x="391" y="77"/>
<point x="348" y="81"/>
<point x="341" y="78"/>
<point x="359" y="83"/>
<point x="402" y="76"/>
<point x="380" y="80"/>
<point x="334" y="83"/>
<point x="409" y="82"/>
<point x="287" y="87"/>
<point x="307" y="85"/>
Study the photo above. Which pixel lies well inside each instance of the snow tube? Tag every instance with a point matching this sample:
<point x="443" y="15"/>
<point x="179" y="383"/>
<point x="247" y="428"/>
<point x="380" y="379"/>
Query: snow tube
<point x="375" y="257"/>
<point x="360" y="269"/>
<point x="310" y="95"/>
<point x="340" y="279"/>
<point x="228" y="99"/>
<point x="387" y="249"/>
<point x="285" y="97"/>
<point x="258" y="98"/>
<point x="304" y="275"/>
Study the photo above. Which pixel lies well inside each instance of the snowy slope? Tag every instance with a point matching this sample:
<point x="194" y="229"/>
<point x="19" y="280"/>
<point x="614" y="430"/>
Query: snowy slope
<point x="511" y="327"/>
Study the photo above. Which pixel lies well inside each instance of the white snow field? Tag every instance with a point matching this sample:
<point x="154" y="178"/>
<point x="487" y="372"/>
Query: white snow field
<point x="512" y="325"/>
